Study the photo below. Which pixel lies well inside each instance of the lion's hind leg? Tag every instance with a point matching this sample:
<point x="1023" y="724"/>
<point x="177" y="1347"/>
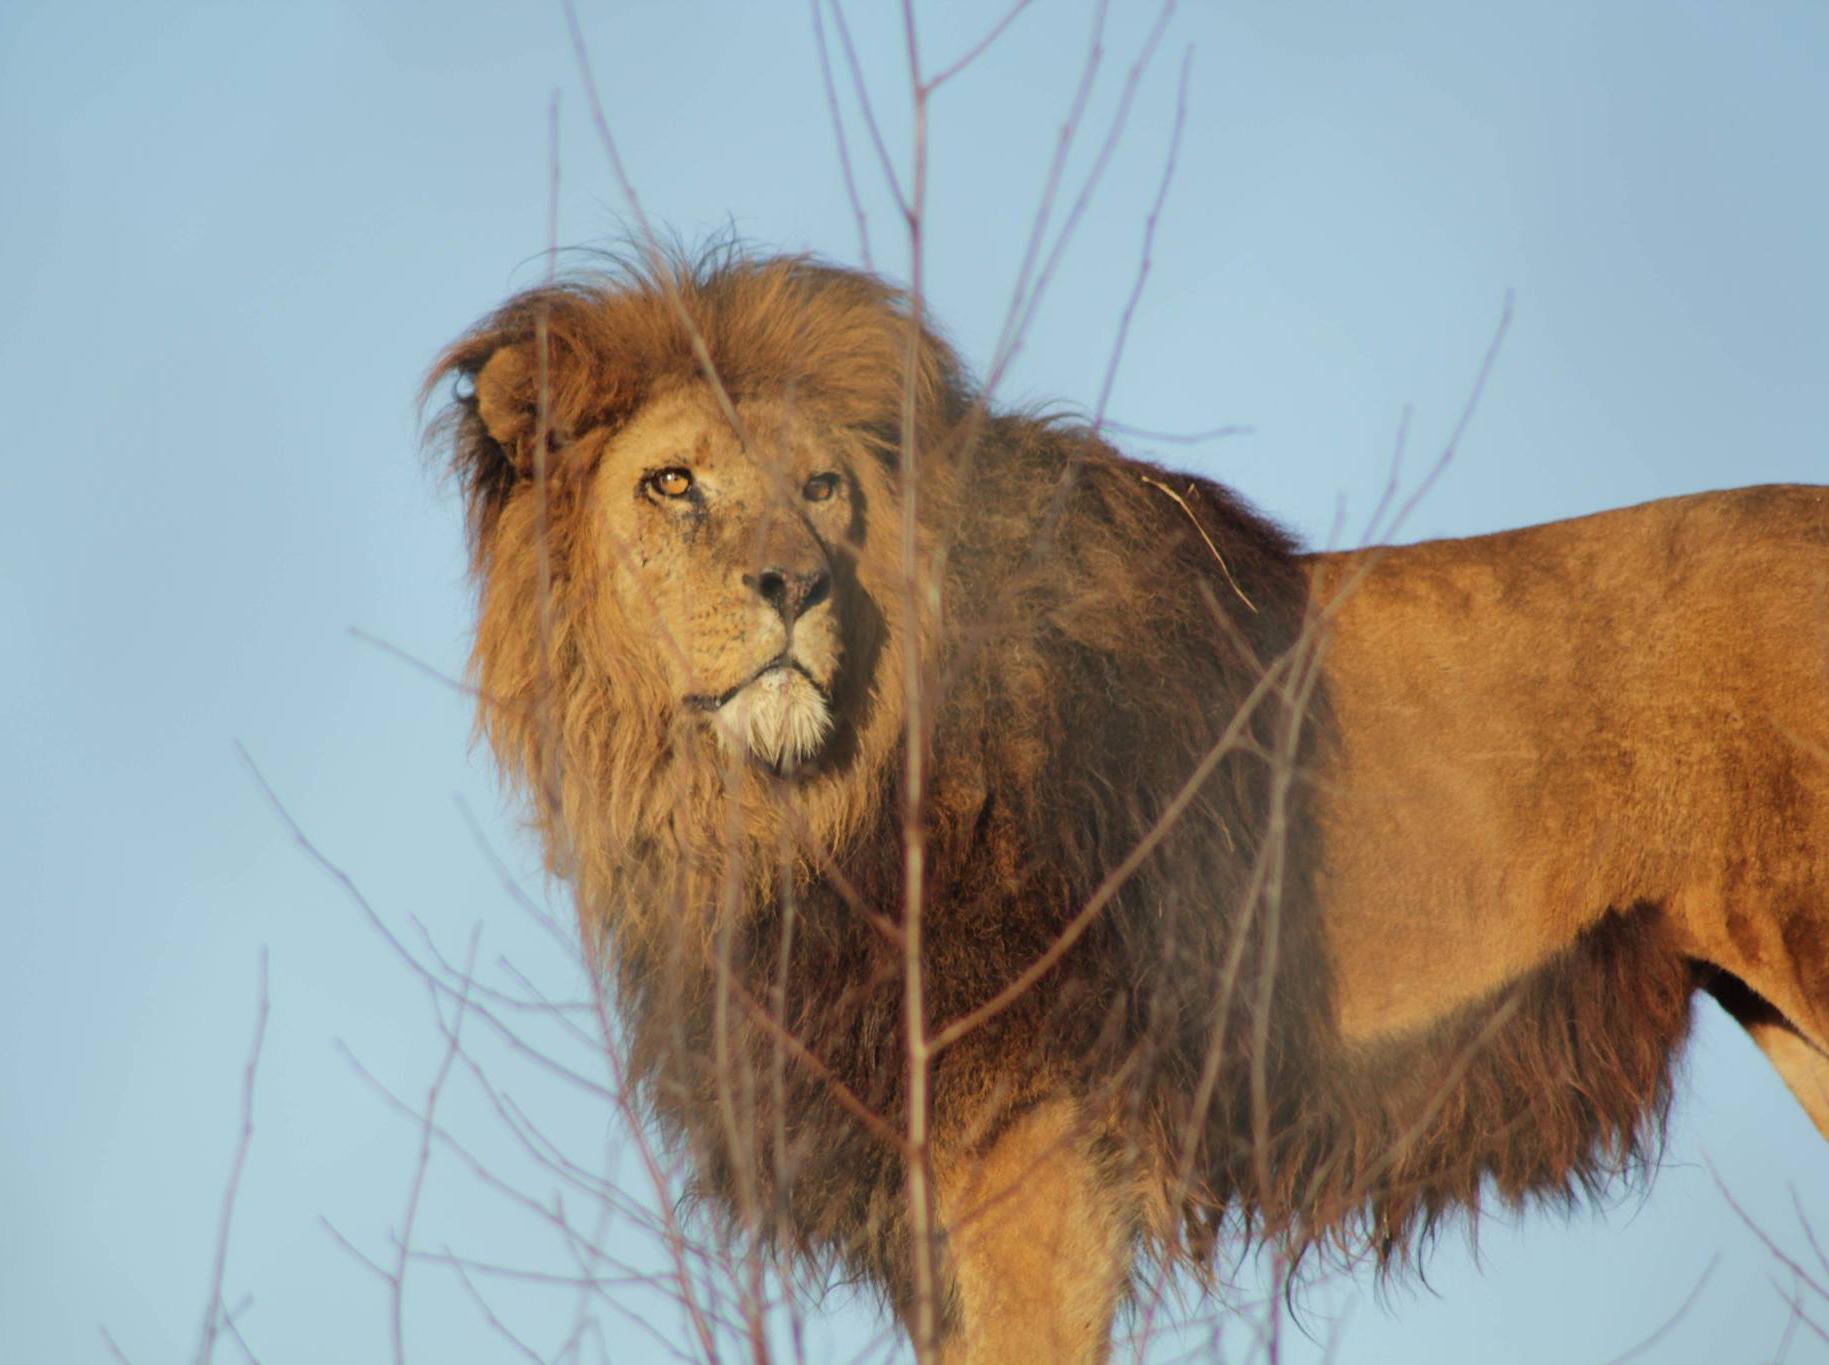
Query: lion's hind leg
<point x="1803" y="1065"/>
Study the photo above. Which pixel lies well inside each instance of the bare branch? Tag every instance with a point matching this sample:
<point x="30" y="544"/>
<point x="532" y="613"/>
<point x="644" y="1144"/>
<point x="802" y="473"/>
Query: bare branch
<point x="1029" y="294"/>
<point x="1175" y="438"/>
<point x="862" y="90"/>
<point x="1218" y="558"/>
<point x="481" y="1305"/>
<point x="925" y="1327"/>
<point x="649" y="237"/>
<point x="414" y="661"/>
<point x="1803" y="1221"/>
<point x="1669" y="1324"/>
<point x="231" y="1322"/>
<point x="1452" y="446"/>
<point x="979" y="48"/>
<point x="212" y="1313"/>
<point x="361" y="1256"/>
<point x="838" y="131"/>
<point x="1778" y="1253"/>
<point x="1797" y="1310"/>
<point x="1006" y="346"/>
<point x="1149" y="241"/>
<point x="404" y="1242"/>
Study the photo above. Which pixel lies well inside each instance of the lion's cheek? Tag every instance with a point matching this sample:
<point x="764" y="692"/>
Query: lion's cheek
<point x="689" y="635"/>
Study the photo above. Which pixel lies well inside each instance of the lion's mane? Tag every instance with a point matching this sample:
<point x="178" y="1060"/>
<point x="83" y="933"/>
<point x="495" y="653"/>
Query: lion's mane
<point x="1104" y="628"/>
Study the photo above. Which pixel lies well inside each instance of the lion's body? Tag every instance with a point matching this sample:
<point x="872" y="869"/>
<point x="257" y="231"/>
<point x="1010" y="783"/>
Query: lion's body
<point x="1381" y="875"/>
<point x="1628" y="709"/>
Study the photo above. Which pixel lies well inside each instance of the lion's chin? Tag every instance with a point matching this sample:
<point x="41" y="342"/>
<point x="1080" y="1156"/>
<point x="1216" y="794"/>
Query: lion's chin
<point x="781" y="719"/>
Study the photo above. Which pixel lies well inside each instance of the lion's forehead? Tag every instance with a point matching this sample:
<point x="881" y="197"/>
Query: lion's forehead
<point x="695" y="427"/>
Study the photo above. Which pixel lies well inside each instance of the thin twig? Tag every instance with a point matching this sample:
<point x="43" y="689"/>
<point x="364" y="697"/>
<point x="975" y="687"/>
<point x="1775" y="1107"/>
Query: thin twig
<point x="1803" y="1220"/>
<point x="1669" y="1323"/>
<point x="979" y="48"/>
<point x="1133" y="80"/>
<point x="1175" y="438"/>
<point x="862" y="89"/>
<point x="231" y="1322"/>
<point x="1149" y="240"/>
<point x="212" y="1314"/>
<point x="838" y="132"/>
<point x="1218" y="558"/>
<point x="1009" y="338"/>
<point x="651" y="242"/>
<point x="414" y="661"/>
<point x="1777" y="1252"/>
<point x="925" y="1327"/>
<point x="422" y="1165"/>
<point x="1462" y="422"/>
<point x="1797" y="1309"/>
<point x="481" y="1305"/>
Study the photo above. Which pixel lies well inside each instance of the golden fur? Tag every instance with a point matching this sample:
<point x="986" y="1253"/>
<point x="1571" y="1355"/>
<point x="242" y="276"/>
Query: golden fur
<point x="1387" y="878"/>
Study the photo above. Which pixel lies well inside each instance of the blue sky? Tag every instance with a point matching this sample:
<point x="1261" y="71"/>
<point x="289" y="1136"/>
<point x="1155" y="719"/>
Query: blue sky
<point x="235" y="235"/>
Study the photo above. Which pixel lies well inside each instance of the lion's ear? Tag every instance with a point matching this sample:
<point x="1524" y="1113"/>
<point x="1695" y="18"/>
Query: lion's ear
<point x="507" y="399"/>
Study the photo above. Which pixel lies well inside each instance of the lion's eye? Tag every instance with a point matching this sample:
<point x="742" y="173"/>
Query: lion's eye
<point x="820" y="487"/>
<point x="671" y="483"/>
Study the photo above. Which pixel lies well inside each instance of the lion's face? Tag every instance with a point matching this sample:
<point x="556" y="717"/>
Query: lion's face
<point x="731" y="555"/>
<point x="694" y="627"/>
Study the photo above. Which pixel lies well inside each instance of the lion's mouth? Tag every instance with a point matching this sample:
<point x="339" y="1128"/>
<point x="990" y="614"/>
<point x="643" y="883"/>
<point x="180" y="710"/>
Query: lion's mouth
<point x="706" y="701"/>
<point x="779" y="715"/>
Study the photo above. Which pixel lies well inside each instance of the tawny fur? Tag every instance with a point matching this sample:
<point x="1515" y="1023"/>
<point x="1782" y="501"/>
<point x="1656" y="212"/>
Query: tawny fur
<point x="1439" y="841"/>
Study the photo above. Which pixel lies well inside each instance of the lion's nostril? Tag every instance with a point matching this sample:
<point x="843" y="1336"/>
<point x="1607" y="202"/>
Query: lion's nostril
<point x="771" y="586"/>
<point x="790" y="593"/>
<point x="815" y="588"/>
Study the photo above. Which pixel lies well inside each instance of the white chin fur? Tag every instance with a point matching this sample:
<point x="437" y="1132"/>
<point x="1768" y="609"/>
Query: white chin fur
<point x="780" y="718"/>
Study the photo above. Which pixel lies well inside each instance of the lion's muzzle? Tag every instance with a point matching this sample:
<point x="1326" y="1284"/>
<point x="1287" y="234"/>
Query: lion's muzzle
<point x="791" y="593"/>
<point x="781" y="715"/>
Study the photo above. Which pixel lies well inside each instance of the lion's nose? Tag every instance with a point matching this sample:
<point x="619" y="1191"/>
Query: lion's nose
<point x="789" y="593"/>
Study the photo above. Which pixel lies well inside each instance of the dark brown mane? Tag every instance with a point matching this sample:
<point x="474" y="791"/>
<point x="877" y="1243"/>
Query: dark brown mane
<point x="1543" y="1093"/>
<point x="1108" y="627"/>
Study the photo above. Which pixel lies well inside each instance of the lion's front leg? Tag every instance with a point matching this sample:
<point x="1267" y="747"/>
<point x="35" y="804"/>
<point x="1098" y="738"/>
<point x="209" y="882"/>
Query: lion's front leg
<point x="1038" y="1235"/>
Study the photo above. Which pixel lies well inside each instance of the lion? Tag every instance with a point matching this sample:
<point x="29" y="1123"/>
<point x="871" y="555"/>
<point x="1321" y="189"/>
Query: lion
<point x="1308" y="898"/>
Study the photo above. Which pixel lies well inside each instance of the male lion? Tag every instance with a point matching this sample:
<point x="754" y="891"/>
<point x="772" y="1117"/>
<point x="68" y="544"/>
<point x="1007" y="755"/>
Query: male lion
<point x="1301" y="897"/>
